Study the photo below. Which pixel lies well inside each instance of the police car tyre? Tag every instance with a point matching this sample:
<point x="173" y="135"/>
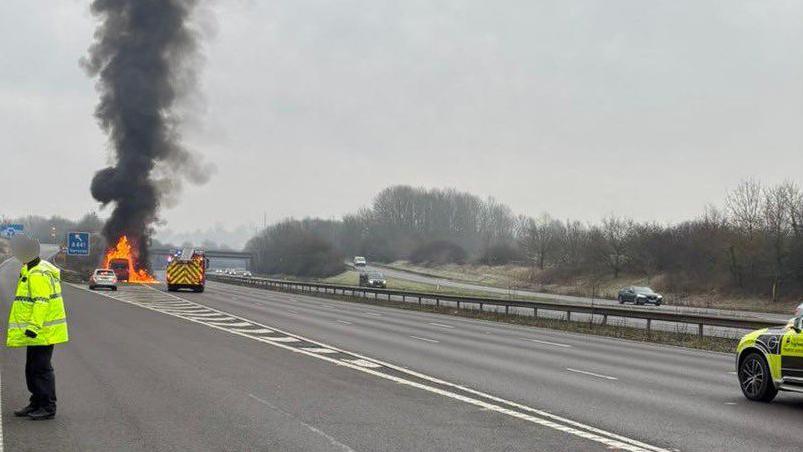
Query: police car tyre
<point x="114" y="288"/>
<point x="755" y="379"/>
<point x="91" y="287"/>
<point x="621" y="300"/>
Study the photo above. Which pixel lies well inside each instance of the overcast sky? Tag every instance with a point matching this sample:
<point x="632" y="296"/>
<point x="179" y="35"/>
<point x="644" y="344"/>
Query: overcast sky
<point x="580" y="108"/>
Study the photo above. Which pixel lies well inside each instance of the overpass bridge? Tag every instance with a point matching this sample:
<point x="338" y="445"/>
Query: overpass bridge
<point x="217" y="258"/>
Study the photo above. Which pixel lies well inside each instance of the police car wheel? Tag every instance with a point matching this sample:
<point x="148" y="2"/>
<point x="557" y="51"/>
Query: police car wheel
<point x="755" y="379"/>
<point x="621" y="300"/>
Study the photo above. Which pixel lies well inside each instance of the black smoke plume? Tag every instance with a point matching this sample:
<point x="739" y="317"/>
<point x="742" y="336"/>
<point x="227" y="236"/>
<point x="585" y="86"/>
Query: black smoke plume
<point x="144" y="56"/>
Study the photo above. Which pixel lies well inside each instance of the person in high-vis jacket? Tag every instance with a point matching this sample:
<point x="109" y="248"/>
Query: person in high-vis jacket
<point x="37" y="321"/>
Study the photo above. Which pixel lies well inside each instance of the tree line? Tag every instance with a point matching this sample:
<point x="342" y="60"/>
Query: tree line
<point x="753" y="243"/>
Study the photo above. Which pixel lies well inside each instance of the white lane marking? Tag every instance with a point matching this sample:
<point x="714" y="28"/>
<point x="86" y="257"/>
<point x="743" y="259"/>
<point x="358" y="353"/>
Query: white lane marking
<point x="539" y="417"/>
<point x="425" y="339"/>
<point x="375" y="314"/>
<point x="219" y="319"/>
<point x="441" y="325"/>
<point x="547" y="342"/>
<point x="344" y="322"/>
<point x="186" y="310"/>
<point x="291" y="311"/>
<point x="320" y="350"/>
<point x="309" y="427"/>
<point x="607" y="377"/>
<point x="363" y="363"/>
<point x="282" y="339"/>
<point x="733" y="372"/>
<point x="545" y="414"/>
<point x="232" y="324"/>
<point x="206" y="314"/>
<point x="256" y="331"/>
<point x="730" y="403"/>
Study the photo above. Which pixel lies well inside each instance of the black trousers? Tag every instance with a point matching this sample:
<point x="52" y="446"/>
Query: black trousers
<point x="40" y="378"/>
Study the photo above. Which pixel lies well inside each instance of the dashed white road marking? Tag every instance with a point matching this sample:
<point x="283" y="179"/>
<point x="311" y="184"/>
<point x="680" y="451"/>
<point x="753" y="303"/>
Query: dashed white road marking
<point x="441" y="325"/>
<point x="730" y="403"/>
<point x="733" y="372"/>
<point x="292" y="311"/>
<point x="593" y="374"/>
<point x="555" y="344"/>
<point x="425" y="339"/>
<point x="375" y="314"/>
<point x="344" y="322"/>
<point x="311" y="428"/>
<point x="538" y="417"/>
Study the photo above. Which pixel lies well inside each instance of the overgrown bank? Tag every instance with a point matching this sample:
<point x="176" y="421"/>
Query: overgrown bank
<point x="750" y="248"/>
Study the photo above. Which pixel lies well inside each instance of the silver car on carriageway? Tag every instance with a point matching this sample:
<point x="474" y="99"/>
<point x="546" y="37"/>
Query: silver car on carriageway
<point x="640" y="295"/>
<point x="103" y="277"/>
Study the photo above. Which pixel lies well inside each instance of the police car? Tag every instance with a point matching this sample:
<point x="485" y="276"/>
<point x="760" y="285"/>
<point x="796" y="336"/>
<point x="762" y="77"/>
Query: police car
<point x="771" y="360"/>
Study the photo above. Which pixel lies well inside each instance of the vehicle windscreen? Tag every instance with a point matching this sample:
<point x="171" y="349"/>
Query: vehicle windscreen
<point x="375" y="275"/>
<point x="644" y="290"/>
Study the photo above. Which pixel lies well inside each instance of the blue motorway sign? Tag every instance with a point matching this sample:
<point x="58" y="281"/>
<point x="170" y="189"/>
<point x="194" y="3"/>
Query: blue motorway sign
<point x="9" y="230"/>
<point x="78" y="243"/>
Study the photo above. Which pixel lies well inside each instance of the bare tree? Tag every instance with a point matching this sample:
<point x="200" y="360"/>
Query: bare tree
<point x="540" y="238"/>
<point x="777" y="228"/>
<point x="745" y="212"/>
<point x="614" y="233"/>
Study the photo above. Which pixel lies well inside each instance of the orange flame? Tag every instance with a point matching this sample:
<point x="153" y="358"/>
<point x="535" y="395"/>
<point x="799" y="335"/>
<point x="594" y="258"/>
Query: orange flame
<point x="123" y="250"/>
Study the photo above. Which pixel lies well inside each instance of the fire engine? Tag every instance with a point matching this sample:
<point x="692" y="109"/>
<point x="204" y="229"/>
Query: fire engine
<point x="186" y="269"/>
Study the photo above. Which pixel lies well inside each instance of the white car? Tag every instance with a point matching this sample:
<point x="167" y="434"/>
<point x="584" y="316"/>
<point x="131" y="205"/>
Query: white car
<point x="103" y="277"/>
<point x="359" y="261"/>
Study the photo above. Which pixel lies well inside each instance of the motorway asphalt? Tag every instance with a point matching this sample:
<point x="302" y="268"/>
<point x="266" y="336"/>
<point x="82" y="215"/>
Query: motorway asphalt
<point x="235" y="368"/>
<point x="505" y="293"/>
<point x="666" y="396"/>
<point x="135" y="377"/>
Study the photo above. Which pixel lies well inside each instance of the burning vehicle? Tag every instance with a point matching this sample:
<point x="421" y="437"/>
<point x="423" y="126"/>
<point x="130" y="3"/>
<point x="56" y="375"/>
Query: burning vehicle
<point x="123" y="260"/>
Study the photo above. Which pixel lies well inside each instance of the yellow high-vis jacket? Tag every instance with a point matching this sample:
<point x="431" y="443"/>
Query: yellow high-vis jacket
<point x="38" y="307"/>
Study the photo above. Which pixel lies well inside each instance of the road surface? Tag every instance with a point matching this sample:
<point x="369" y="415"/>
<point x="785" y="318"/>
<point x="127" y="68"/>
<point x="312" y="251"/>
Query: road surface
<point x="138" y="376"/>
<point x="237" y="368"/>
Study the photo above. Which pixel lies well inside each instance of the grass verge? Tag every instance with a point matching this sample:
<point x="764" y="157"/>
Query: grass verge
<point x="620" y="332"/>
<point x="351" y="278"/>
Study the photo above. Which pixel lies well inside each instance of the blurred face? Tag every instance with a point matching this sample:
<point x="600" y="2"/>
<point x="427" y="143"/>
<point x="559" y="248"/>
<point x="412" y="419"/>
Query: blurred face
<point x="24" y="248"/>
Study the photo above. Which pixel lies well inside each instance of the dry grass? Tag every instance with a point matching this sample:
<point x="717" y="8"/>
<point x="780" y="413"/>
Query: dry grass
<point x="507" y="276"/>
